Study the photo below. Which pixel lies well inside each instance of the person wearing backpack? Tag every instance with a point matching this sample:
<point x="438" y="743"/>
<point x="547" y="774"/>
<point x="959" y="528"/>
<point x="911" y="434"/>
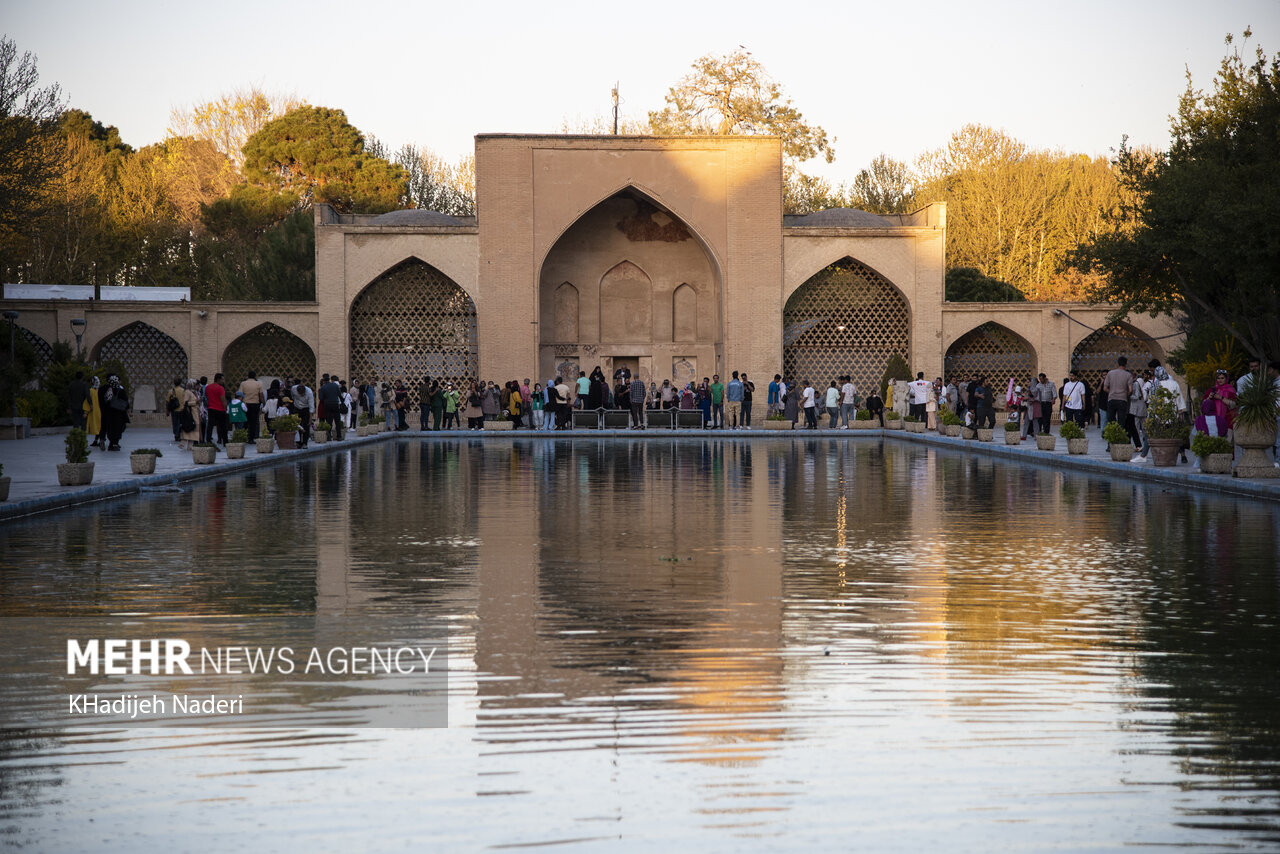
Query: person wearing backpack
<point x="173" y="406"/>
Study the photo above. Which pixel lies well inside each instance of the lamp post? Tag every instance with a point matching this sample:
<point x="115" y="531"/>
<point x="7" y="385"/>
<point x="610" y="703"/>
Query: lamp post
<point x="77" y="329"/>
<point x="12" y="317"/>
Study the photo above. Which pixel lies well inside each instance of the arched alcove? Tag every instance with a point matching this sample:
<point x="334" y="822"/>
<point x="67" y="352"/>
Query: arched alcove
<point x="150" y="357"/>
<point x="566" y="313"/>
<point x="684" y="314"/>
<point x="1097" y="352"/>
<point x="626" y="304"/>
<point x="269" y="351"/>
<point x="992" y="351"/>
<point x="410" y="322"/>
<point x="845" y="319"/>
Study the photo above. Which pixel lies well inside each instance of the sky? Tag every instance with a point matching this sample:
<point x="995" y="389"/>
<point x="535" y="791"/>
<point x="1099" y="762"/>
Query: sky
<point x="893" y="78"/>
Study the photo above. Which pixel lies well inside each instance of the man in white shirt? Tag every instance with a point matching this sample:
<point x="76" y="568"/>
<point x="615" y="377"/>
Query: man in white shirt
<point x="848" y="402"/>
<point x="810" y="404"/>
<point x="919" y="395"/>
<point x="1073" y="400"/>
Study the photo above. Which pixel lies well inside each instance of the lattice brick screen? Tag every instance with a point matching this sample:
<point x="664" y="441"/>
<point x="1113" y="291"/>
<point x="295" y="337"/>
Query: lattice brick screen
<point x="149" y="356"/>
<point x="1097" y="353"/>
<point x="993" y="352"/>
<point x="269" y="351"/>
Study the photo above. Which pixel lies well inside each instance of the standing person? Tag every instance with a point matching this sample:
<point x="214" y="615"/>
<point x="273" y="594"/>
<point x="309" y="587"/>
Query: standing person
<point x="717" y="403"/>
<point x="1045" y="392"/>
<point x="370" y="398"/>
<point x="1219" y="403"/>
<point x="272" y="406"/>
<point x="77" y="394"/>
<point x="919" y="396"/>
<point x="490" y="406"/>
<point x="189" y="417"/>
<point x="474" y="413"/>
<point x="537" y="407"/>
<point x="115" y="411"/>
<point x="1137" y="423"/>
<point x="668" y="394"/>
<point x="773" y="403"/>
<point x="931" y="406"/>
<point x="424" y="402"/>
<point x="450" y="407"/>
<point x="93" y="415"/>
<point x="388" y="408"/>
<point x="748" y="392"/>
<point x="303" y="404"/>
<point x="832" y="403"/>
<point x="173" y="406"/>
<point x="1117" y="385"/>
<point x="704" y="402"/>
<point x="564" y="411"/>
<point x="986" y="406"/>
<point x="848" y="402"/>
<point x="584" y="390"/>
<point x="1255" y="365"/>
<point x="437" y="405"/>
<point x="790" y="399"/>
<point x="238" y="413"/>
<point x="638" y="393"/>
<point x="215" y="394"/>
<point x="733" y="397"/>
<point x="875" y="404"/>
<point x="952" y="395"/>
<point x="254" y="399"/>
<point x="402" y="406"/>
<point x="1073" y="399"/>
<point x="688" y="400"/>
<point x="809" y="399"/>
<point x="329" y="400"/>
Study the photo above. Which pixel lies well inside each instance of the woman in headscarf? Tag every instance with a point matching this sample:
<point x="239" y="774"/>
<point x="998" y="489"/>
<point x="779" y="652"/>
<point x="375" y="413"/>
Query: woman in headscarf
<point x="93" y="416"/>
<point x="791" y="406"/>
<point x="1219" y="403"/>
<point x="189" y="415"/>
<point x="115" y="411"/>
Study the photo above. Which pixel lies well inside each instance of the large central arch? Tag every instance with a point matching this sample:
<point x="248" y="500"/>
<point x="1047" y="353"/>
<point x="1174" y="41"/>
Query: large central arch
<point x="845" y="319"/>
<point x="629" y="283"/>
<point x="411" y="322"/>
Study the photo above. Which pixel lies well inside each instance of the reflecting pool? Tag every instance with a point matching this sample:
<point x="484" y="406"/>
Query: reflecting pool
<point x="664" y="644"/>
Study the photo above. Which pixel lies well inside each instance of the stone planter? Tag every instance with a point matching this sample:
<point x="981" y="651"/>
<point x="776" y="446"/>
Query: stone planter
<point x="864" y="425"/>
<point x="235" y="450"/>
<point x="893" y="424"/>
<point x="968" y="433"/>
<point x="499" y="425"/>
<point x="1079" y="446"/>
<point x="1217" y="464"/>
<point x="1012" y="437"/>
<point x="985" y="434"/>
<point x="4" y="488"/>
<point x="774" y="424"/>
<point x="265" y="444"/>
<point x="204" y="456"/>
<point x="320" y="437"/>
<point x="75" y="474"/>
<point x="1122" y="452"/>
<point x="952" y="430"/>
<point x="1255" y="441"/>
<point x="363" y="430"/>
<point x="142" y="463"/>
<point x="380" y="427"/>
<point x="1164" y="452"/>
<point x="1046" y="441"/>
<point x="915" y="426"/>
<point x="286" y="440"/>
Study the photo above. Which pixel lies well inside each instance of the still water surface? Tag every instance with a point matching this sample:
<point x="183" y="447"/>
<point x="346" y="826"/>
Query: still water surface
<point x="678" y="644"/>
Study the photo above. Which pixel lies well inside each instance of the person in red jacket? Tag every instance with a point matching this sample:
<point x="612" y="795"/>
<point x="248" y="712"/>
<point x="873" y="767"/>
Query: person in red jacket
<point x="216" y="394"/>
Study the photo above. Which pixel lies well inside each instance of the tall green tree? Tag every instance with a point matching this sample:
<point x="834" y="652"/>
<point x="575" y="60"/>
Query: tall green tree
<point x="1200" y="231"/>
<point x="887" y="186"/>
<point x="29" y="156"/>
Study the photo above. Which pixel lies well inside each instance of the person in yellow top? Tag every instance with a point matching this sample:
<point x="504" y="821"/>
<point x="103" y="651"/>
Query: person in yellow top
<point x="93" y="415"/>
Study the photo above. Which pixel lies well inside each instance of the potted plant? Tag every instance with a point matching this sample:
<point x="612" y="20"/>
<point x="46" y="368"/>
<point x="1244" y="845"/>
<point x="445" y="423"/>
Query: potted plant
<point x="77" y="470"/>
<point x="1012" y="433"/>
<point x="1117" y="439"/>
<point x="913" y="424"/>
<point x="777" y="421"/>
<point x="143" y="460"/>
<point x="500" y="422"/>
<point x="321" y="434"/>
<point x="1215" y="453"/>
<point x="4" y="484"/>
<point x="286" y="429"/>
<point x="264" y="444"/>
<point x="363" y="425"/>
<point x="984" y="434"/>
<point x="204" y="453"/>
<point x="951" y="423"/>
<point x="862" y="420"/>
<point x="892" y="420"/>
<point x="1046" y="441"/>
<point x="1257" y="405"/>
<point x="235" y="448"/>
<point x="1166" y="429"/>
<point x="1077" y="441"/>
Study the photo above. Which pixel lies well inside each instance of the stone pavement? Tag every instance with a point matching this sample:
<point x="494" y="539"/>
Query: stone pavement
<point x="31" y="463"/>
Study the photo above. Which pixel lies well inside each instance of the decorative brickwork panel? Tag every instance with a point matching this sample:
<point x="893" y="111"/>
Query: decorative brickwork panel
<point x="846" y="319"/>
<point x="149" y="356"/>
<point x="994" y="352"/>
<point x="1097" y="353"/>
<point x="414" y="321"/>
<point x="269" y="351"/>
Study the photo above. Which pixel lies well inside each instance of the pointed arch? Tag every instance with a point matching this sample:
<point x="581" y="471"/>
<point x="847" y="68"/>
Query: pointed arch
<point x="269" y="351"/>
<point x="626" y="304"/>
<point x="684" y="314"/>
<point x="993" y="351"/>
<point x="150" y="357"/>
<point x="1098" y="351"/>
<point x="845" y="319"/>
<point x="566" y="313"/>
<point x="413" y="321"/>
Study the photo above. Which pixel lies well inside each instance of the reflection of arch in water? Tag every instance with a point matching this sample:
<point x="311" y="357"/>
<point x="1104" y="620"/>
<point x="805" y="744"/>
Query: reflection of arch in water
<point x="1097" y="353"/>
<point x="992" y="351"/>
<point x="269" y="351"/>
<point x="410" y="322"/>
<point x="845" y="319"/>
<point x="149" y="356"/>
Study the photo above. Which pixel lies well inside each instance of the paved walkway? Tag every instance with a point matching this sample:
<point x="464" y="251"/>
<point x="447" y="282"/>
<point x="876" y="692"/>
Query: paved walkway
<point x="31" y="463"/>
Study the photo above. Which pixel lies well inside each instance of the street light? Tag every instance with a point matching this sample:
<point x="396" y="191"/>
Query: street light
<point x="12" y="317"/>
<point x="77" y="329"/>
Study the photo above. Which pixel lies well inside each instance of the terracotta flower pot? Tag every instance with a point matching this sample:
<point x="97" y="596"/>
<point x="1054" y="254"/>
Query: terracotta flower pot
<point x="1164" y="452"/>
<point x="286" y="440"/>
<point x="142" y="463"/>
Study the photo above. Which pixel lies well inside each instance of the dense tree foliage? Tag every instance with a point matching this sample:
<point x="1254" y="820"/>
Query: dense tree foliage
<point x="965" y="284"/>
<point x="1200" y="229"/>
<point x="28" y="148"/>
